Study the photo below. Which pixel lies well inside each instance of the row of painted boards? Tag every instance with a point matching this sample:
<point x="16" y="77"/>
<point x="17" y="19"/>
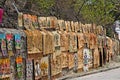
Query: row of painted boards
<point x="50" y="41"/>
<point x="61" y="45"/>
<point x="32" y="22"/>
<point x="12" y="43"/>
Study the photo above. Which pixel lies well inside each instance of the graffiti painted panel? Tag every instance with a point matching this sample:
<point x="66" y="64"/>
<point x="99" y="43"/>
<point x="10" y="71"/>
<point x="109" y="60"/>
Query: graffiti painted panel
<point x="3" y="45"/>
<point x="91" y="58"/>
<point x="4" y="66"/>
<point x="29" y="70"/>
<point x="9" y="38"/>
<point x="19" y="68"/>
<point x="86" y="55"/>
<point x="75" y="61"/>
<point x="17" y="41"/>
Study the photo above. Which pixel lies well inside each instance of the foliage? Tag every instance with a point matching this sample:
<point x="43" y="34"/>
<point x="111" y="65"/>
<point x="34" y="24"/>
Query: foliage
<point x="109" y="32"/>
<point x="101" y="12"/>
<point x="116" y="10"/>
<point x="97" y="11"/>
<point x="44" y="5"/>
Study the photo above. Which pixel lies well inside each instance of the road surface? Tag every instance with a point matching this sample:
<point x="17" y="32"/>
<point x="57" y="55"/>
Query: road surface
<point x="107" y="75"/>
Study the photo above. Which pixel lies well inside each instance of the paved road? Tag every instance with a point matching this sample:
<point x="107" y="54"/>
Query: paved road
<point x="107" y="75"/>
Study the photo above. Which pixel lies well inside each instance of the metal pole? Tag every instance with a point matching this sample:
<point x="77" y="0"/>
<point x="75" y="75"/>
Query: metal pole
<point x="13" y="3"/>
<point x="15" y="7"/>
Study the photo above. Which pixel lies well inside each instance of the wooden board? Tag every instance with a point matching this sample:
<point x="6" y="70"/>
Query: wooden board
<point x="52" y="22"/>
<point x="37" y="41"/>
<point x="56" y="63"/>
<point x="29" y="35"/>
<point x="61" y="25"/>
<point x="34" y="20"/>
<point x="64" y="40"/>
<point x="64" y="59"/>
<point x="72" y="42"/>
<point x="81" y="40"/>
<point x="80" y="26"/>
<point x="76" y="25"/>
<point x="20" y="19"/>
<point x="42" y="21"/>
<point x="56" y="41"/>
<point x="44" y="66"/>
<point x="80" y="58"/>
<point x="68" y="27"/>
<point x="93" y="41"/>
<point x="48" y="42"/>
<point x="72" y="26"/>
<point x="96" y="58"/>
<point x="36" y="46"/>
<point x="28" y="22"/>
<point x="71" y="60"/>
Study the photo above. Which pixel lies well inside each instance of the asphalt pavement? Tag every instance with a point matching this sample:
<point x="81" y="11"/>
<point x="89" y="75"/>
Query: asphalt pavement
<point x="113" y="74"/>
<point x="106" y="68"/>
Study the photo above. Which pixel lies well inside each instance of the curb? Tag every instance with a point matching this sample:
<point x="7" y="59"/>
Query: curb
<point x="87" y="73"/>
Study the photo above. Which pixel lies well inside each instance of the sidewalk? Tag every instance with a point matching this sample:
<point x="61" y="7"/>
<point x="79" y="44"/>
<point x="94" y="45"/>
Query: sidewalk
<point x="108" y="66"/>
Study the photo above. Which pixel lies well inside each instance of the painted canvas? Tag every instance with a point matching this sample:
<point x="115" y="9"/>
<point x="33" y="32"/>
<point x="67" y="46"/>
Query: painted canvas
<point x="44" y="64"/>
<point x="9" y="38"/>
<point x="3" y="45"/>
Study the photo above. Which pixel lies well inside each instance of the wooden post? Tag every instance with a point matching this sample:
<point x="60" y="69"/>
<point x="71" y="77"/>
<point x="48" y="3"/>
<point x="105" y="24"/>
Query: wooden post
<point x="49" y="68"/>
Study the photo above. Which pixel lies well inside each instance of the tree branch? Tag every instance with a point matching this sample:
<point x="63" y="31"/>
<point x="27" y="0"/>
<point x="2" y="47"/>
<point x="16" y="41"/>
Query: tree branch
<point x="78" y="13"/>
